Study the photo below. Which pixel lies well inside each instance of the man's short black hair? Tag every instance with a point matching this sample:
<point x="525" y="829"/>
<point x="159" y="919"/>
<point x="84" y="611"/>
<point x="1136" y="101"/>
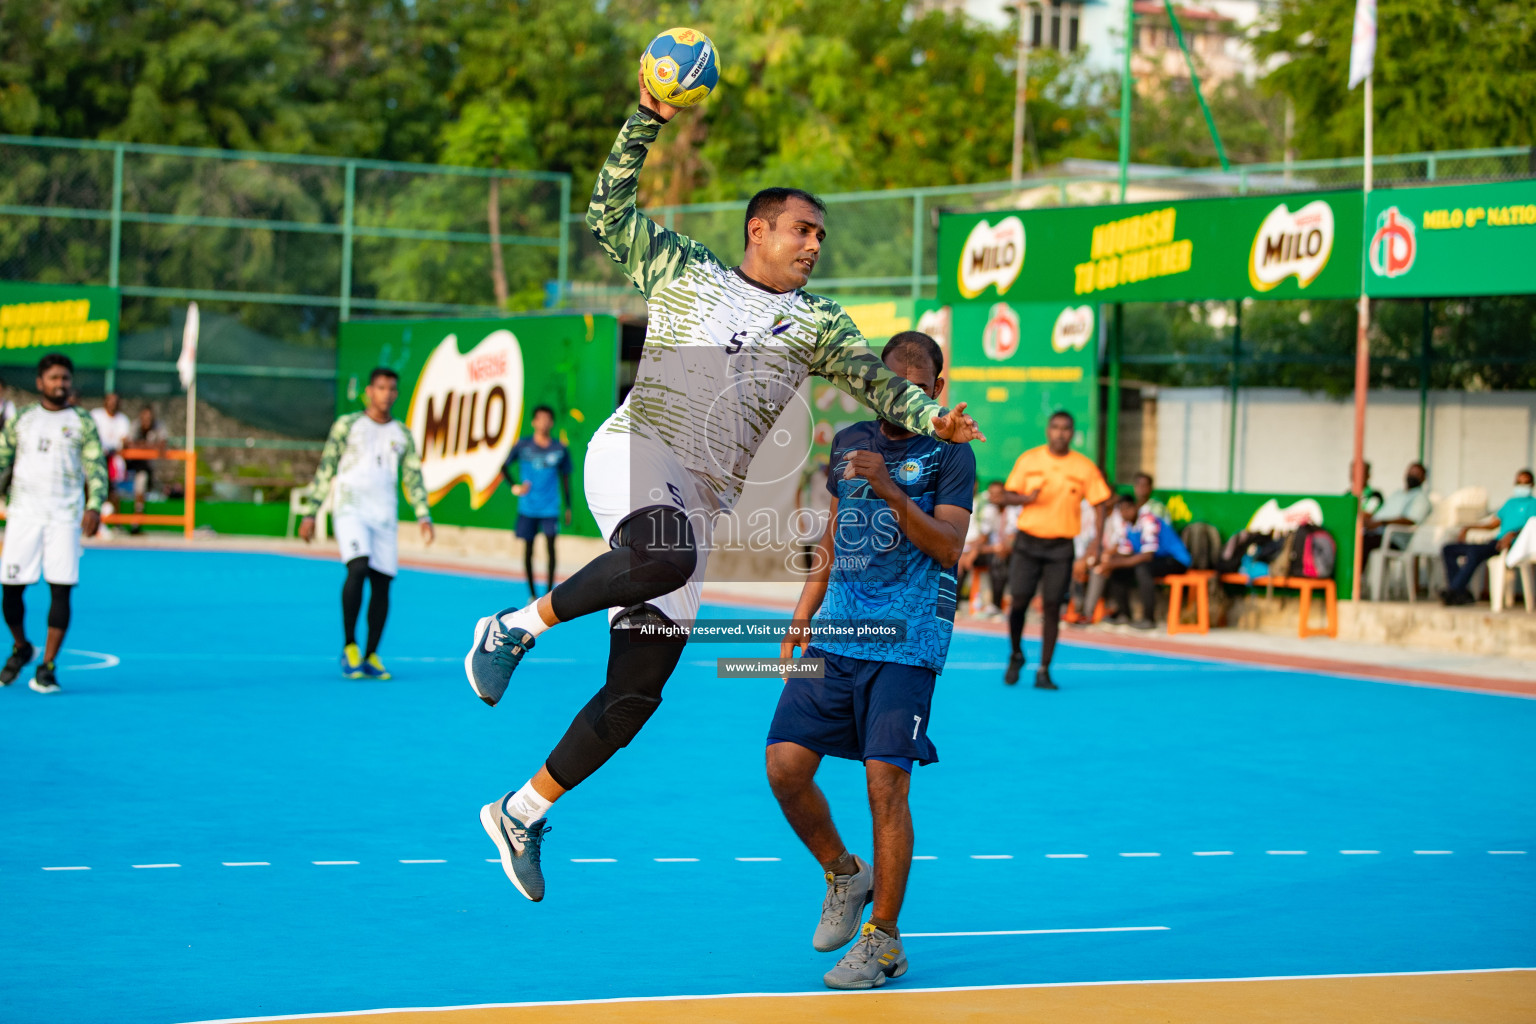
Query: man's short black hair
<point x="541" y="408"/>
<point x="769" y="203"/>
<point x="995" y="483"/>
<point x="1525" y="473"/>
<point x="382" y="371"/>
<point x="1143" y="475"/>
<point x="53" y="359"/>
<point x="1127" y="498"/>
<point x="1063" y="414"/>
<point x="908" y="343"/>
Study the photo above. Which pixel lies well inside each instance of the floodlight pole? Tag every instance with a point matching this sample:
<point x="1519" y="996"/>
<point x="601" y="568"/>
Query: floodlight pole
<point x="1362" y="369"/>
<point x="1125" y="96"/>
<point x="1020" y="95"/>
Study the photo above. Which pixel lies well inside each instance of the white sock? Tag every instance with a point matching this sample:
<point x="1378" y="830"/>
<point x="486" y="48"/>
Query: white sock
<point x="526" y="618"/>
<point x="526" y="805"/>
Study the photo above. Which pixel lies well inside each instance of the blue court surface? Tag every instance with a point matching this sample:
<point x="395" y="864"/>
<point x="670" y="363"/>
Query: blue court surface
<point x="210" y="823"/>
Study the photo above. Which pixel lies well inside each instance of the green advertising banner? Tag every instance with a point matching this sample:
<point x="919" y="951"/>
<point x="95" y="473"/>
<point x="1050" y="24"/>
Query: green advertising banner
<point x="77" y="320"/>
<point x="467" y="392"/>
<point x="1016" y="364"/>
<point x="1452" y="240"/>
<point x="1304" y="245"/>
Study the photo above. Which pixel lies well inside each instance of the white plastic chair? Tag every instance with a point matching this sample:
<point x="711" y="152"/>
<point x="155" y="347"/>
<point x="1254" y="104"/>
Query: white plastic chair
<point x="1425" y="542"/>
<point x="1501" y="574"/>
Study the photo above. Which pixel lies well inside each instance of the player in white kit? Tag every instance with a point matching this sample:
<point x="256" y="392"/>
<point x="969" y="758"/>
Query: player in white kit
<point x="56" y="479"/>
<point x="368" y="457"/>
<point x="726" y="350"/>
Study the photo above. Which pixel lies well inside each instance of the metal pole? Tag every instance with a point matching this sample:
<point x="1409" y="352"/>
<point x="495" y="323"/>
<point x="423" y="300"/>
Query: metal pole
<point x="346" y="242"/>
<point x="1362" y="373"/>
<point x="1125" y="97"/>
<point x="1020" y="94"/>
<point x="114" y="259"/>
<point x="1194" y="80"/>
<point x="563" y="267"/>
<point x="1424" y="354"/>
<point x="1234" y="382"/>
<point x="1112" y="407"/>
<point x="919" y="231"/>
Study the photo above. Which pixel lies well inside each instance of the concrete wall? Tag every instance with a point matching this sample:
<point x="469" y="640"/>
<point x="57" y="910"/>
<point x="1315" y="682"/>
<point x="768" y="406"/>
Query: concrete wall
<point x="1294" y="442"/>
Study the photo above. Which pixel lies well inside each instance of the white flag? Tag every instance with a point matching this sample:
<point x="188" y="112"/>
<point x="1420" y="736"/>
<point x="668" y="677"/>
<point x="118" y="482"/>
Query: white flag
<point x="1362" y="47"/>
<point x="186" y="365"/>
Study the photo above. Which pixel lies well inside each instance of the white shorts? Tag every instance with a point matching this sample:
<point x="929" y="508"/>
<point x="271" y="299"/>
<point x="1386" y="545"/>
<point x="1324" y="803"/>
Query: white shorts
<point x="625" y="473"/>
<point x="45" y="548"/>
<point x="377" y="542"/>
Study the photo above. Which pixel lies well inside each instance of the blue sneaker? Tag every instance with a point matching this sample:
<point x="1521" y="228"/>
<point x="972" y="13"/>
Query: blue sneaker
<point x="495" y="654"/>
<point x="519" y="845"/>
<point x="373" y="668"/>
<point x="352" y="661"/>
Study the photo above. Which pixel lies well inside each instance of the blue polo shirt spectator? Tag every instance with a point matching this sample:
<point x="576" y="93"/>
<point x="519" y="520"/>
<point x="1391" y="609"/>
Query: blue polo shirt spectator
<point x="1462" y="559"/>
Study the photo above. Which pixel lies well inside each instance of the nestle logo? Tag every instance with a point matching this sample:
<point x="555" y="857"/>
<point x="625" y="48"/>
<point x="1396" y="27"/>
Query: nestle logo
<point x="492" y="364"/>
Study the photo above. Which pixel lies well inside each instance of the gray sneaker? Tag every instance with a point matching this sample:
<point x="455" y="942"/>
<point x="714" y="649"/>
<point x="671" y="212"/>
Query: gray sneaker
<point x="519" y="845"/>
<point x="875" y="957"/>
<point x="496" y="652"/>
<point x="843" y="908"/>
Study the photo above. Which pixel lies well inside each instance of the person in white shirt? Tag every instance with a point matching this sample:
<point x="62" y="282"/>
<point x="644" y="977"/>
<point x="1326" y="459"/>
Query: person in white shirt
<point x="988" y="543"/>
<point x="56" y="480"/>
<point x="113" y="427"/>
<point x="368" y="456"/>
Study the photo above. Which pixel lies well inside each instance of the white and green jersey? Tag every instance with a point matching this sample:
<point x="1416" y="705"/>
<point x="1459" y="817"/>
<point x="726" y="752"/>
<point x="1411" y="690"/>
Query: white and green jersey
<point x="723" y="356"/>
<point x="367" y="462"/>
<point x="55" y="464"/>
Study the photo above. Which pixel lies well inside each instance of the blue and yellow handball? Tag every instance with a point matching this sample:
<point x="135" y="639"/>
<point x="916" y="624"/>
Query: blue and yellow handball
<point x="680" y="67"/>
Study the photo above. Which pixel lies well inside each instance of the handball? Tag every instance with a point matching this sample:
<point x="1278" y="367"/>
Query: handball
<point x="679" y="67"/>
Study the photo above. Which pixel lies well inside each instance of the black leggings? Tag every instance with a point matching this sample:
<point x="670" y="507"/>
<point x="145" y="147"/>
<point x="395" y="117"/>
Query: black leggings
<point x="15" y="607"/>
<point x="352" y="602"/>
<point x="549" y="546"/>
<point x="1044" y="564"/>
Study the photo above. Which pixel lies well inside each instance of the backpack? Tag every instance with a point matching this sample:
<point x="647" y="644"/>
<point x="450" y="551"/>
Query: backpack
<point x="1203" y="541"/>
<point x="1319" y="553"/>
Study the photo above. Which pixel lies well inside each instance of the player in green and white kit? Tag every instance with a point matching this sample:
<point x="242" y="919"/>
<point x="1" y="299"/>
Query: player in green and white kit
<point x="726" y="349"/>
<point x="52" y="457"/>
<point x="368" y="456"/>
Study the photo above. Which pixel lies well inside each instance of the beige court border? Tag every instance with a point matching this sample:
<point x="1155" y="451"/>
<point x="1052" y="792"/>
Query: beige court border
<point x="1496" y="996"/>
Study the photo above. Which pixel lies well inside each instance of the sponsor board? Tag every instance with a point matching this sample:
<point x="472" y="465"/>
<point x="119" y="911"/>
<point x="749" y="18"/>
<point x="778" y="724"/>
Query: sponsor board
<point x="1291" y="245"/>
<point x="1452" y="240"/>
<point x="79" y="321"/>
<point x="993" y="257"/>
<point x="464" y="414"/>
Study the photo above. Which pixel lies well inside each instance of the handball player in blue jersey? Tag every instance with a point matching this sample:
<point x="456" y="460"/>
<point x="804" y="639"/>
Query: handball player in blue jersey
<point x="539" y="470"/>
<point x="901" y="504"/>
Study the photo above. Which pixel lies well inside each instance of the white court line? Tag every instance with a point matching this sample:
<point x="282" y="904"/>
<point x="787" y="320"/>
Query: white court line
<point x="1431" y="853"/>
<point x="676" y="860"/>
<point x="1497" y="853"/>
<point x="758" y="860"/>
<point x="1141" y="855"/>
<point x="1213" y="853"/>
<point x="331" y="863"/>
<point x="157" y="865"/>
<point x="1037" y="931"/>
<point x="991" y="856"/>
<point x="493" y="860"/>
<point x="1066" y="856"/>
<point x="593" y="860"/>
<point x="247" y="863"/>
<point x="422" y="862"/>
<point x="107" y="660"/>
<point x="929" y="856"/>
<point x="1286" y="853"/>
<point x="1351" y="852"/>
<point x="76" y="867"/>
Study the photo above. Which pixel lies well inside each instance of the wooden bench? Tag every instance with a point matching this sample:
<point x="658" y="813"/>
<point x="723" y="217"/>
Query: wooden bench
<point x="1307" y="586"/>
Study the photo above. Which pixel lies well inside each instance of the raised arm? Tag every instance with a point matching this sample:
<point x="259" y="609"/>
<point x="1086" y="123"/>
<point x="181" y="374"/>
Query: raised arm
<point x="845" y="358"/>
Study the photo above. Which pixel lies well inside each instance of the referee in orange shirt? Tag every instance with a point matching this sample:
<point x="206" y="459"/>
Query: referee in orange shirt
<point x="1049" y="483"/>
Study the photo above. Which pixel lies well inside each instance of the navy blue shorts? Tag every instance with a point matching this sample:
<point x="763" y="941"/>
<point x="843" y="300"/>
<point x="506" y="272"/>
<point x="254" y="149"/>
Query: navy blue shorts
<point x="862" y="710"/>
<point x="528" y="526"/>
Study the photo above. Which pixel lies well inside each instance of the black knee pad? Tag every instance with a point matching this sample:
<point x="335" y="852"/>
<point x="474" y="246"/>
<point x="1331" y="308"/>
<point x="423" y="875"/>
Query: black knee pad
<point x="663" y="540"/>
<point x="58" y="609"/>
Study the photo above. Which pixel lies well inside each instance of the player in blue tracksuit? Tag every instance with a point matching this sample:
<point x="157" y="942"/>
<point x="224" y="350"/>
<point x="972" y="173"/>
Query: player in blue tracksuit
<point x="539" y="470"/>
<point x="1149" y="550"/>
<point x="901" y="503"/>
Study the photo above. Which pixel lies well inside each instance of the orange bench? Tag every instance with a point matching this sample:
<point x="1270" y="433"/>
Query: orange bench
<point x="1197" y="582"/>
<point x="1307" y="586"/>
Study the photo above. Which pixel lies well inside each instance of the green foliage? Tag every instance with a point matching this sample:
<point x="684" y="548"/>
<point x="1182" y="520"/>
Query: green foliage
<point x="1450" y="74"/>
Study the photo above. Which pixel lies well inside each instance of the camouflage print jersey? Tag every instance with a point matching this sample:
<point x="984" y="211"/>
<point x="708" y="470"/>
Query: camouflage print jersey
<point x="367" y="462"/>
<point x="54" y="463"/>
<point x="723" y="356"/>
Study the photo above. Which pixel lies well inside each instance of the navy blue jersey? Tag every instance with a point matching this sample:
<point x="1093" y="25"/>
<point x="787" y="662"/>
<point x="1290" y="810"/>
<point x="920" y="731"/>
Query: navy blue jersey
<point x="877" y="573"/>
<point x="541" y="469"/>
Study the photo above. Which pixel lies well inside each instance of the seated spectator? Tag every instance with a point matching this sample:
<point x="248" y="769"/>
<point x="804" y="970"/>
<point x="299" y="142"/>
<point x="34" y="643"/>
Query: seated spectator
<point x="1407" y="507"/>
<point x="1096" y="569"/>
<point x="1370" y="498"/>
<point x="114" y="429"/>
<point x="1462" y="559"/>
<point x="1141" y="487"/>
<point x="1149" y="550"/>
<point x="7" y="407"/>
<point x="145" y="434"/>
<point x="988" y="543"/>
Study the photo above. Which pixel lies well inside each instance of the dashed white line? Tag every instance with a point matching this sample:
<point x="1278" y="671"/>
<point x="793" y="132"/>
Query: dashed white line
<point x="1141" y="855"/>
<point x="1037" y="931"/>
<point x="1506" y="853"/>
<point x="1213" y="853"/>
<point x="991" y="856"/>
<point x="1433" y="853"/>
<point x="925" y="856"/>
<point x="1358" y="852"/>
<point x="1066" y="856"/>
<point x="1286" y="853"/>
<point x="493" y="860"/>
<point x="423" y="862"/>
<point x="247" y="863"/>
<point x="72" y="867"/>
<point x="676" y="860"/>
<point x="758" y="860"/>
<point x="331" y="863"/>
<point x="593" y="860"/>
<point x="157" y="865"/>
